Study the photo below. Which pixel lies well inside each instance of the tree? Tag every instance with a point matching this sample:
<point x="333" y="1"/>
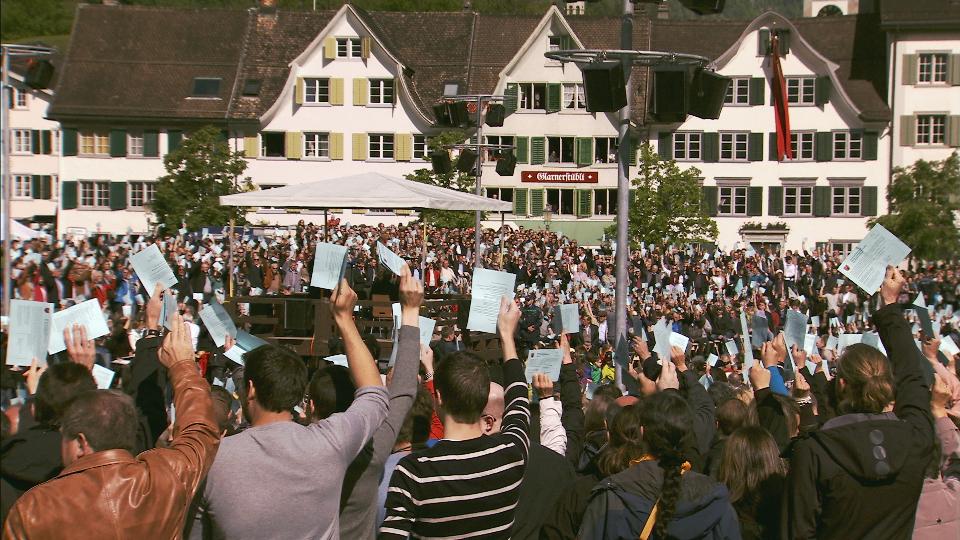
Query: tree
<point x="923" y="203"/>
<point x="665" y="204"/>
<point x="453" y="180"/>
<point x="198" y="172"/>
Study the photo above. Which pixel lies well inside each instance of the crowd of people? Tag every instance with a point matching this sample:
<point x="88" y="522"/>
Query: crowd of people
<point x="753" y="440"/>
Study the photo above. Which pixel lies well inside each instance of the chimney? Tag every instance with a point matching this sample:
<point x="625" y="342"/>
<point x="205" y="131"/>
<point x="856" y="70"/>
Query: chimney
<point x="663" y="11"/>
<point x="467" y="5"/>
<point x="268" y="6"/>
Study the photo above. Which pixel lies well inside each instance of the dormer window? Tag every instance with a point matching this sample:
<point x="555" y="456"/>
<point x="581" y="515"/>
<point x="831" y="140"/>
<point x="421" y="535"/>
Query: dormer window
<point x="206" y="87"/>
<point x="451" y="89"/>
<point x="349" y="48"/>
<point x="251" y="87"/>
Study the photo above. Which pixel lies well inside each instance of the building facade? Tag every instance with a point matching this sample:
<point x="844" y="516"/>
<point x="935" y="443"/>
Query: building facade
<point x="34" y="153"/>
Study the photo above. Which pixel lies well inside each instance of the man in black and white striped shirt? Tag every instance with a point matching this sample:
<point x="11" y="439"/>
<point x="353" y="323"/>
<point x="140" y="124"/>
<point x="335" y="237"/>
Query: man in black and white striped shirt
<point x="468" y="484"/>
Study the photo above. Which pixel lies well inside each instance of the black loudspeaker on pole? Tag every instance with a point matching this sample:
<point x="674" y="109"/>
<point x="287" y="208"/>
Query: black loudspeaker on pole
<point x="604" y="85"/>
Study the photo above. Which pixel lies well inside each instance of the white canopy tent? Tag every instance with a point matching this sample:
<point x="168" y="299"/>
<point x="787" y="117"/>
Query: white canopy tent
<point x="21" y="231"/>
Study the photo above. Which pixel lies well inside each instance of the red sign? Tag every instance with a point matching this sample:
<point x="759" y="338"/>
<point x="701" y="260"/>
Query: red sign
<point x="560" y="177"/>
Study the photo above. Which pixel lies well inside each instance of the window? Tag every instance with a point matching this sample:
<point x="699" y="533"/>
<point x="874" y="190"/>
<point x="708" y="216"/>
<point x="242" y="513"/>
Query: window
<point x="135" y="144"/>
<point x="272" y="144"/>
<point x="94" y="194"/>
<point x="738" y="93"/>
<point x="847" y="145"/>
<point x="500" y="193"/>
<point x="420" y="148"/>
<point x="573" y="97"/>
<point x="19" y="98"/>
<point x="931" y="128"/>
<point x="533" y="96"/>
<point x="55" y="136"/>
<point x="22" y="186"/>
<point x="349" y="48"/>
<point x="316" y="90"/>
<point x="316" y="145"/>
<point x="94" y="143"/>
<point x="686" y="146"/>
<point x="142" y="193"/>
<point x="251" y="87"/>
<point x="801" y="90"/>
<point x="801" y="142"/>
<point x="554" y="43"/>
<point x="605" y="202"/>
<point x="797" y="200"/>
<point x="381" y="91"/>
<point x="22" y="143"/>
<point x="733" y="146"/>
<point x="605" y="149"/>
<point x="560" y="149"/>
<point x="451" y="89"/>
<point x="490" y="154"/>
<point x="560" y="201"/>
<point x="381" y="146"/>
<point x="846" y="200"/>
<point x="932" y="68"/>
<point x="206" y="87"/>
<point x="733" y="201"/>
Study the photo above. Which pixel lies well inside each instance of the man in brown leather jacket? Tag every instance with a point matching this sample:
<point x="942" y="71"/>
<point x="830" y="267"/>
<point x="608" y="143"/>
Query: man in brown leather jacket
<point x="106" y="492"/>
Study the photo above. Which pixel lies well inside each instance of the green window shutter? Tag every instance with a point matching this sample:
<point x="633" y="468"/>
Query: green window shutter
<point x="665" y="145"/>
<point x="755" y="147"/>
<point x="821" y="90"/>
<point x="118" y="195"/>
<point x="909" y="74"/>
<point x="784" y="36"/>
<point x="35" y="186"/>
<point x="553" y="97"/>
<point x="772" y="150"/>
<point x="775" y="201"/>
<point x="584" y="151"/>
<point x="952" y="136"/>
<point x="953" y="70"/>
<point x="870" y="140"/>
<point x="118" y="143"/>
<point x="710" y="200"/>
<point x="537" y="197"/>
<point x="46" y="141"/>
<point x="632" y="152"/>
<point x="821" y="201"/>
<point x="151" y="143"/>
<point x="566" y="43"/>
<point x="755" y="201"/>
<point x="35" y="140"/>
<point x="68" y="194"/>
<point x="538" y="150"/>
<point x="758" y="86"/>
<point x="174" y="137"/>
<point x="763" y="42"/>
<point x="510" y="97"/>
<point x="46" y="187"/>
<point x="823" y="146"/>
<point x="585" y="203"/>
<point x="520" y="201"/>
<point x="69" y="136"/>
<point x="869" y="206"/>
<point x="711" y="147"/>
<point x="522" y="150"/>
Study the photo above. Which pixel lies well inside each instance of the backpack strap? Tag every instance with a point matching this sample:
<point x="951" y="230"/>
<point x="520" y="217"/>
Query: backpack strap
<point x="651" y="521"/>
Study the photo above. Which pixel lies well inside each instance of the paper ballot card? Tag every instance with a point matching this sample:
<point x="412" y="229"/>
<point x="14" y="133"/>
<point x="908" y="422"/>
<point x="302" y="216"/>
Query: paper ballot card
<point x="810" y="344"/>
<point x="426" y="330"/>
<point x="948" y="347"/>
<point x="795" y="329"/>
<point x="712" y="360"/>
<point x="489" y="286"/>
<point x="103" y="376"/>
<point x="390" y="259"/>
<point x="86" y="314"/>
<point x="544" y="361"/>
<point x="28" y="332"/>
<point x="328" y="264"/>
<point x="570" y="318"/>
<point x="338" y="360"/>
<point x="867" y="263"/>
<point x="152" y="268"/>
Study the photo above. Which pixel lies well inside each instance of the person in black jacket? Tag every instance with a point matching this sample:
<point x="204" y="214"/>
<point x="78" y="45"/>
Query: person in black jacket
<point x="861" y="475"/>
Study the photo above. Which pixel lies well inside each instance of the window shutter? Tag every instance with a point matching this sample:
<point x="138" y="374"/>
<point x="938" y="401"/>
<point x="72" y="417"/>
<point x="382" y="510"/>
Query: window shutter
<point x="360" y="92"/>
<point x="953" y="131"/>
<point x="118" y="195"/>
<point x="775" y="201"/>
<point x="908" y="130"/>
<point x="365" y="45"/>
<point x="553" y="97"/>
<point x="757" y="88"/>
<point x="359" y="146"/>
<point x="755" y="201"/>
<point x="772" y="148"/>
<point x="823" y="146"/>
<point x="710" y="200"/>
<point x="755" y="147"/>
<point x="821" y="90"/>
<point x="538" y="150"/>
<point x="665" y="145"/>
<point x="869" y="206"/>
<point x="763" y="42"/>
<point x="292" y="144"/>
<point x="35" y="140"/>
<point x="821" y="201"/>
<point x="35" y="187"/>
<point x="298" y="91"/>
<point x="118" y="143"/>
<point x="909" y="74"/>
<point x="46" y="187"/>
<point x="46" y="142"/>
<point x="536" y="201"/>
<point x="584" y="202"/>
<point x="404" y="146"/>
<point x="69" y="137"/>
<point x="68" y="194"/>
<point x="953" y="70"/>
<point x="336" y="91"/>
<point x="336" y="146"/>
<point x="520" y="201"/>
<point x="251" y="146"/>
<point x="510" y="97"/>
<point x="329" y="48"/>
<point x="521" y="149"/>
<point x="174" y="137"/>
<point x="151" y="143"/>
<point x="870" y="140"/>
<point x="632" y="152"/>
<point x="711" y="147"/>
<point x="584" y="151"/>
<point x="784" y="36"/>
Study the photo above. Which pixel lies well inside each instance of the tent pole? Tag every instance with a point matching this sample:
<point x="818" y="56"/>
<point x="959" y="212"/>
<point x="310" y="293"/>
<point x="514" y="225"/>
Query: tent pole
<point x="230" y="262"/>
<point x="325" y="225"/>
<point x="423" y="251"/>
<point x="501" y="241"/>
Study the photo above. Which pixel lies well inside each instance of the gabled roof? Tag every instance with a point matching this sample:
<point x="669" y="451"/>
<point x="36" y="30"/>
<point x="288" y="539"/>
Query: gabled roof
<point x="920" y="14"/>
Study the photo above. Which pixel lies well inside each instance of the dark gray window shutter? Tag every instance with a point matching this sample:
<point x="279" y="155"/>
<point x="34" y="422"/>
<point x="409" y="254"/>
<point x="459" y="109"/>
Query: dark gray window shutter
<point x="763" y="42"/>
<point x="755" y="201"/>
<point x="538" y="150"/>
<point x="755" y="147"/>
<point x="775" y="201"/>
<point x="823" y="146"/>
<point x="46" y="142"/>
<point x="174" y="136"/>
<point x="821" y="90"/>
<point x="758" y="87"/>
<point x="711" y="199"/>
<point x="118" y="195"/>
<point x="151" y="143"/>
<point x="35" y="140"/>
<point x="118" y="143"/>
<point x="68" y="194"/>
<point x="46" y="187"/>
<point x="821" y="201"/>
<point x="784" y="37"/>
<point x="869" y="206"/>
<point x="665" y="145"/>
<point x="522" y="149"/>
<point x="870" y="139"/>
<point x="69" y="137"/>
<point x="510" y="97"/>
<point x="553" y="97"/>
<point x="772" y="153"/>
<point x="520" y="201"/>
<point x="711" y="147"/>
<point x="36" y="187"/>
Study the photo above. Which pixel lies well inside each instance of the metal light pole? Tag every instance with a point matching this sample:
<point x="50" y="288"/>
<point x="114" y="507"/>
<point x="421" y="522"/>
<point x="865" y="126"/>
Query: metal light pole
<point x="623" y="187"/>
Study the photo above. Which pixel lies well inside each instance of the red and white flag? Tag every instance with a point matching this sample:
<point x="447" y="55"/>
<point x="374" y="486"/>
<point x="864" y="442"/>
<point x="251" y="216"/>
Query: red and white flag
<point x="781" y="109"/>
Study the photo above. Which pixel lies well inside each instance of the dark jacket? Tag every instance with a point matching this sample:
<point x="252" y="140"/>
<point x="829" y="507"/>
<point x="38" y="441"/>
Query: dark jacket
<point x="860" y="476"/>
<point x="548" y="475"/>
<point x="563" y="520"/>
<point x="30" y="457"/>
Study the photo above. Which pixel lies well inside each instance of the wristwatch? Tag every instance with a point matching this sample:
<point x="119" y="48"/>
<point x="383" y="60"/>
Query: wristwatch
<point x="152" y="333"/>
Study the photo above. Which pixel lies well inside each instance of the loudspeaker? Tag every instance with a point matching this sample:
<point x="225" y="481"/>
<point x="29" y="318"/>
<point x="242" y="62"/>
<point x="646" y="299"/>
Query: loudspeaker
<point x="507" y="163"/>
<point x="459" y="116"/>
<point x="670" y="93"/>
<point x="442" y="113"/>
<point x="495" y="115"/>
<point x="440" y="160"/>
<point x="39" y="74"/>
<point x="605" y="86"/>
<point x="707" y="92"/>
<point x="704" y="7"/>
<point x="467" y="160"/>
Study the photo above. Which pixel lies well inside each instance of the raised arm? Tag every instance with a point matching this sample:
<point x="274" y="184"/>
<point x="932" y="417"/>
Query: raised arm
<point x="704" y="422"/>
<point x="516" y="416"/>
<point x="552" y="434"/>
<point x="572" y="416"/>
<point x="363" y="368"/>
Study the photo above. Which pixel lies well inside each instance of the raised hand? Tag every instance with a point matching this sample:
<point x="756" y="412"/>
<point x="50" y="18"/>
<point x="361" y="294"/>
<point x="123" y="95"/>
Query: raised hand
<point x="759" y="377"/>
<point x="154" y="305"/>
<point x="411" y="297"/>
<point x="640" y="347"/>
<point x="678" y="358"/>
<point x="33" y="375"/>
<point x="80" y="349"/>
<point x="893" y="283"/>
<point x="543" y="385"/>
<point x="508" y="318"/>
<point x="668" y="377"/>
<point x="343" y="301"/>
<point x="930" y="348"/>
<point x="564" y="345"/>
<point x="177" y="345"/>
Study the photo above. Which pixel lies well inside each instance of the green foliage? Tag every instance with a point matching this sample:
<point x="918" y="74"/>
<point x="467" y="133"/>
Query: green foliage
<point x="198" y="173"/>
<point x="923" y="200"/>
<point x="23" y="18"/>
<point x="453" y="180"/>
<point x="665" y="204"/>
